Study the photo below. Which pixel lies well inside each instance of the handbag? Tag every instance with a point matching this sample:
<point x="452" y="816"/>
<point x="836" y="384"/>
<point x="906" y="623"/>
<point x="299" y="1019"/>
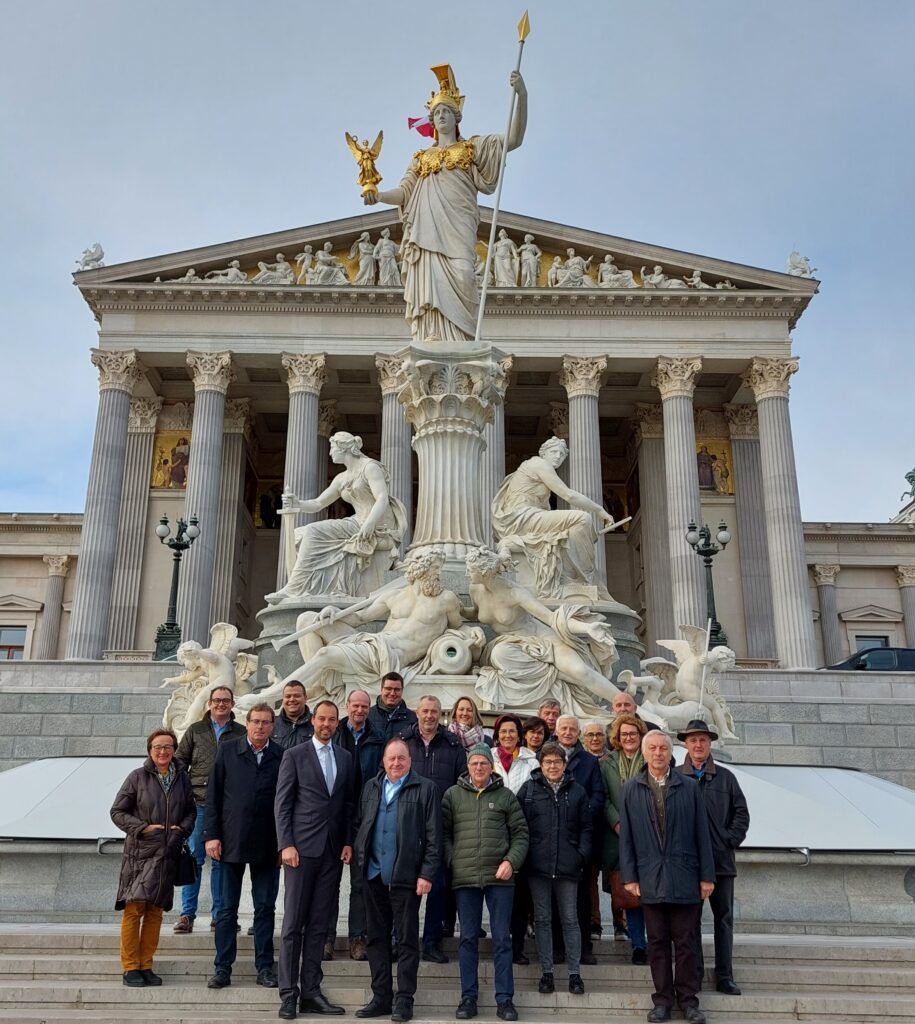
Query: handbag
<point x="186" y="868"/>
<point x="620" y="895"/>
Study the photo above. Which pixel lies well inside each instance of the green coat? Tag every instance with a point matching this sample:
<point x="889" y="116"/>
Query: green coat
<point x="481" y="830"/>
<point x="610" y="773"/>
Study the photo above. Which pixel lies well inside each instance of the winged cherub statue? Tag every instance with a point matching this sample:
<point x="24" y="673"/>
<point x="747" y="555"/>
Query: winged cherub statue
<point x="366" y="156"/>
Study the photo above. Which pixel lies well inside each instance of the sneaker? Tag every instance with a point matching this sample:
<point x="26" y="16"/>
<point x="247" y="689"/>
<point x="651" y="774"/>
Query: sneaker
<point x="596" y="931"/>
<point x="135" y="979"/>
<point x="576" y="985"/>
<point x="184" y="925"/>
<point x="434" y="955"/>
<point x="221" y="979"/>
<point x="357" y="949"/>
<point x="150" y="978"/>
<point x="639" y="956"/>
<point x="546" y="986"/>
<point x="620" y="935"/>
<point x="506" y="1011"/>
<point x="466" y="1010"/>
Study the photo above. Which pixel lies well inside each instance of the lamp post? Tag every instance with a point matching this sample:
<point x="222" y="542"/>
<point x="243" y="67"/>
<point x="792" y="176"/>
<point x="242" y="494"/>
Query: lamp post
<point x="701" y="542"/>
<point x="168" y="635"/>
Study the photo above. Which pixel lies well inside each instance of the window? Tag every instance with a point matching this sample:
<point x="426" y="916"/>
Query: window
<point x="865" y="643"/>
<point x="878" y="660"/>
<point x="12" y="643"/>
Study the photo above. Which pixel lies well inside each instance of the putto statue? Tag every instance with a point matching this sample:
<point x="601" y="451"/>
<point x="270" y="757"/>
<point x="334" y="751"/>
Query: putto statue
<point x="530" y="254"/>
<point x="92" y="258"/>
<point x="345" y="557"/>
<point x="304" y="261"/>
<point x="386" y="258"/>
<point x="609" y="275"/>
<point x="658" y="279"/>
<point x="557" y="544"/>
<point x="233" y="274"/>
<point x="799" y="266"/>
<point x="695" y="281"/>
<point x="438" y="201"/>
<point x="366" y="156"/>
<point x="505" y="261"/>
<point x="365" y="250"/>
<point x="274" y="273"/>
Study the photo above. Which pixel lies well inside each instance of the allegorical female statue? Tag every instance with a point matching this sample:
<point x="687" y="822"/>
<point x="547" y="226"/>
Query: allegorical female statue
<point x="346" y="557"/>
<point x="438" y="203"/>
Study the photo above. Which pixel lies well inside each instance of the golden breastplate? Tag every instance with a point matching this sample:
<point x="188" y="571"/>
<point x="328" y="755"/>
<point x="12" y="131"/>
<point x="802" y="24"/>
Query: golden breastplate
<point x="456" y="157"/>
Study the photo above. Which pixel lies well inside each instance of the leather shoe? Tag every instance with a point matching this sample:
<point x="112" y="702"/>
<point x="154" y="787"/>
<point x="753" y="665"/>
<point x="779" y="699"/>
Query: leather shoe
<point x="694" y="1015"/>
<point x="576" y="985"/>
<point x="357" y="949"/>
<point x="184" y="925"/>
<point x="434" y="955"/>
<point x="328" y="953"/>
<point x="728" y="986"/>
<point x="134" y="979"/>
<point x="521" y="958"/>
<point x="506" y="1011"/>
<point x="221" y="979"/>
<point x="546" y="986"/>
<point x="374" y="1008"/>
<point x="266" y="978"/>
<point x="150" y="978"/>
<point x="466" y="1010"/>
<point x="639" y="956"/>
<point x="588" y="958"/>
<point x="287" y="1010"/>
<point x="403" y="1011"/>
<point x="320" y="1004"/>
<point x="659" y="1013"/>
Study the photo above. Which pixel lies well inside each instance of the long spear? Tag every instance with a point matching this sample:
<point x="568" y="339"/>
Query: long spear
<point x="524" y="28"/>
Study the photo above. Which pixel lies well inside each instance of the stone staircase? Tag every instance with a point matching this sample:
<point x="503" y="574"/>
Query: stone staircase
<point x="63" y="973"/>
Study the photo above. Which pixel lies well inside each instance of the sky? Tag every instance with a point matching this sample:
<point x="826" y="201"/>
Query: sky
<point x="732" y="129"/>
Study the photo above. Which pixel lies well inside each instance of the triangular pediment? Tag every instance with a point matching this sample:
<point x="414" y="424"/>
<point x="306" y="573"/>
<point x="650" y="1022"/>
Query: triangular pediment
<point x="870" y="613"/>
<point x="15" y="603"/>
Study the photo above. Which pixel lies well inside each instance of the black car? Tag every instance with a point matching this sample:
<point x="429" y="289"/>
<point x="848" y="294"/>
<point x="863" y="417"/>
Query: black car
<point x="879" y="659"/>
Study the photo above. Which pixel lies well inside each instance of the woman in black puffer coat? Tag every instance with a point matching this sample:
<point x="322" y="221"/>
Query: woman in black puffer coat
<point x="155" y="807"/>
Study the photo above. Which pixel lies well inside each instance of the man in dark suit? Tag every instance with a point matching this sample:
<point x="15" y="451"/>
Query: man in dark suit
<point x="314" y="831"/>
<point x="238" y="829"/>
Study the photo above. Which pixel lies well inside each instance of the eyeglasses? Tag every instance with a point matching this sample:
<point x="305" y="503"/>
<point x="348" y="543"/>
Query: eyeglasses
<point x="552" y="762"/>
<point x="161" y="750"/>
<point x="220" y="700"/>
<point x="629" y="736"/>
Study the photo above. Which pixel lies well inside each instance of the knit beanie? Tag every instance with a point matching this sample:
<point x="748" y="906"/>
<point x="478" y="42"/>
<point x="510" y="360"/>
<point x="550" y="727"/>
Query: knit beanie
<point x="482" y="750"/>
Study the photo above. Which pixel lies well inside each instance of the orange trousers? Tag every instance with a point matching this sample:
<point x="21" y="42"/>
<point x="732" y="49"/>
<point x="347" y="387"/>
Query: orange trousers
<point x="140" y="925"/>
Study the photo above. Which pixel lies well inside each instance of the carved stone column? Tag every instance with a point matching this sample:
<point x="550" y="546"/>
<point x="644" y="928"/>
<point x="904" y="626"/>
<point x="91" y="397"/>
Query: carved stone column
<point x="793" y="616"/>
<point x="675" y="378"/>
<point x="582" y="379"/>
<point x="905" y="577"/>
<point x="559" y="426"/>
<point x="141" y="429"/>
<point x="825" y="577"/>
<point x="396" y="453"/>
<point x="327" y="425"/>
<point x="212" y="373"/>
<point x="45" y="648"/>
<point x="118" y="373"/>
<point x="305" y="375"/>
<point x="494" y="456"/>
<point x="236" y="433"/>
<point x="659" y="608"/>
<point x="743" y="426"/>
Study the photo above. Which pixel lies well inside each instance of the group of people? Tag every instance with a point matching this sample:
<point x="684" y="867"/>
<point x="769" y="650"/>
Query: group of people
<point x="526" y="821"/>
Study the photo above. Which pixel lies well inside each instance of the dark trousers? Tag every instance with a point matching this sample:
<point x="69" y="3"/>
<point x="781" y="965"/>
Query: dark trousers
<point x="470" y="914"/>
<point x="355" y="921"/>
<point x="521" y="912"/>
<point x="390" y="908"/>
<point x="673" y="925"/>
<point x="543" y="892"/>
<point x="721" y="903"/>
<point x="436" y="909"/>
<point x="265" y="883"/>
<point x="311" y="891"/>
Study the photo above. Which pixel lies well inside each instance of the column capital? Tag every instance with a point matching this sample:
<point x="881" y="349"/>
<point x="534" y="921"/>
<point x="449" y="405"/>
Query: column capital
<point x="649" y="420"/>
<point x="238" y="417"/>
<point x="500" y="382"/>
<point x="769" y="378"/>
<point x="305" y="372"/>
<point x="825" y="575"/>
<point x="559" y="420"/>
<point x="743" y="422"/>
<point x="144" y="412"/>
<point x="390" y="373"/>
<point x="581" y="375"/>
<point x="675" y="376"/>
<point x="58" y="565"/>
<point x="212" y="371"/>
<point x="117" y="371"/>
<point x="327" y="417"/>
<point x="905" y="575"/>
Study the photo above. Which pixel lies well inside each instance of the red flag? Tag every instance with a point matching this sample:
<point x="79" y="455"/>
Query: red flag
<point x="423" y="125"/>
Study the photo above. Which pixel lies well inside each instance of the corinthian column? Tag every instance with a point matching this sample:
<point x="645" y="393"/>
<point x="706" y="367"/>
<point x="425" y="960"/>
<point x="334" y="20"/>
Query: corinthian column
<point x="396" y="453"/>
<point x="237" y="431"/>
<point x="141" y="429"/>
<point x="743" y="426"/>
<point x="212" y="373"/>
<point x="494" y="456"/>
<point x="118" y="373"/>
<point x="825" y="577"/>
<point x="675" y="378"/>
<point x="659" y="608"/>
<point x="327" y="424"/>
<point x="793" y="616"/>
<point x="905" y="578"/>
<point x="581" y="377"/>
<point x="305" y="375"/>
<point x="45" y="648"/>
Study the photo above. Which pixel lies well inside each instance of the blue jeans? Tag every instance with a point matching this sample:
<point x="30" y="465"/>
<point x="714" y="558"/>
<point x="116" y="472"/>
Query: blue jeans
<point x="635" y="920"/>
<point x="265" y="883"/>
<point x="499" y="899"/>
<point x="190" y="893"/>
<point x="434" y="925"/>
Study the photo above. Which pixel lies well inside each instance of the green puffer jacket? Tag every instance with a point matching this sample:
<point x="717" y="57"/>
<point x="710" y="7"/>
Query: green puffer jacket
<point x="482" y="828"/>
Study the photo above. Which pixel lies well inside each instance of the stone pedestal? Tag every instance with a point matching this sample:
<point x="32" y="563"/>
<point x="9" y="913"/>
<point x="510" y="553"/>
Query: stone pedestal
<point x="825" y="577"/>
<point x="396" y="453"/>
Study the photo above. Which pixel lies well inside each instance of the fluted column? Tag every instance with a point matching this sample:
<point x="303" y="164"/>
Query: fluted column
<point x="236" y="432"/>
<point x="212" y="373"/>
<point x="659" y="608"/>
<point x="743" y="426"/>
<point x="675" y="378"/>
<point x="327" y="425"/>
<point x="825" y="578"/>
<point x="396" y="452"/>
<point x="793" y="616"/>
<point x="305" y="375"/>
<point x="905" y="578"/>
<point x="494" y="456"/>
<point x="559" y="426"/>
<point x="582" y="378"/>
<point x="118" y="373"/>
<point x="45" y="646"/>
<point x="141" y="429"/>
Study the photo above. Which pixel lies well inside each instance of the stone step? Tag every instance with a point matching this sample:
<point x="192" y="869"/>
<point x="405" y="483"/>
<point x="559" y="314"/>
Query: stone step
<point x="167" y="1015"/>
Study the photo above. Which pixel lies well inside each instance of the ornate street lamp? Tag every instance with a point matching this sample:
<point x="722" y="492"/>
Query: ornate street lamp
<point x="701" y="542"/>
<point x="168" y="635"/>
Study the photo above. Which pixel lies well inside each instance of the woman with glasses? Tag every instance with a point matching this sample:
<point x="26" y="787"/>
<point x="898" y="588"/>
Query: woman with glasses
<point x="155" y="807"/>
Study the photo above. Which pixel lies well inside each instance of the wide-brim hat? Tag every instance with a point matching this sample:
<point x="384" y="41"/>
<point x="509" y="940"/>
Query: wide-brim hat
<point x="697" y="725"/>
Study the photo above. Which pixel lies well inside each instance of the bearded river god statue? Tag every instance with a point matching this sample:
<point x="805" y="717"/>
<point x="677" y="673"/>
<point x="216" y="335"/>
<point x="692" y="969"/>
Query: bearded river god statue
<point x="438" y="204"/>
